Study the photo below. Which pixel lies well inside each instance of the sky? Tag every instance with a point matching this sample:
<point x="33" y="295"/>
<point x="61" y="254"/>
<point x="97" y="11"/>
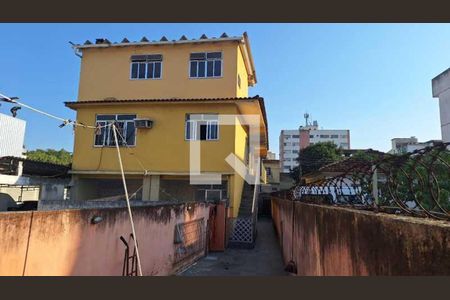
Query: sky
<point x="373" y="79"/>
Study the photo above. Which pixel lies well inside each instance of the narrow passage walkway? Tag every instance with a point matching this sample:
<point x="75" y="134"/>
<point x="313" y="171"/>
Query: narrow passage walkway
<point x="264" y="260"/>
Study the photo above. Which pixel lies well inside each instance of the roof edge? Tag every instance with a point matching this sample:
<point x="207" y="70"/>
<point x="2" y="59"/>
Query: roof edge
<point x="167" y="100"/>
<point x="151" y="43"/>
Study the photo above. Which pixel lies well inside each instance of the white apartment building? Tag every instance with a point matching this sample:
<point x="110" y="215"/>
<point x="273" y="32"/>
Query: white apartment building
<point x="441" y="89"/>
<point x="291" y="141"/>
<point x="408" y="145"/>
<point x="271" y="155"/>
<point x="289" y="149"/>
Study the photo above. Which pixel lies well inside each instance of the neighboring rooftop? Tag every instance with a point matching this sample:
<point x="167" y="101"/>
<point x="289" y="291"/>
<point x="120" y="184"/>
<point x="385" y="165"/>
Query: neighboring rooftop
<point x="9" y="164"/>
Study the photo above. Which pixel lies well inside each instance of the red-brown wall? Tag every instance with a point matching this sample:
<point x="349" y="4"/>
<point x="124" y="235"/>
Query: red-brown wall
<point x="218" y="228"/>
<point x="65" y="242"/>
<point x="329" y="240"/>
<point x="304" y="139"/>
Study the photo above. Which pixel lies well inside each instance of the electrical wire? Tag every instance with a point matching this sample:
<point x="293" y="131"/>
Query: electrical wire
<point x="65" y="121"/>
<point x="128" y="200"/>
<point x="132" y="154"/>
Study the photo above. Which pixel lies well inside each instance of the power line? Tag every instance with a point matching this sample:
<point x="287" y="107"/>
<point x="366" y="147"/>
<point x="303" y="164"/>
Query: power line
<point x="128" y="200"/>
<point x="65" y="121"/>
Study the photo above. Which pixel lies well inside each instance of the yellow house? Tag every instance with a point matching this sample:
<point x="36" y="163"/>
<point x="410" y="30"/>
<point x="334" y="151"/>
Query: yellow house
<point x="150" y="90"/>
<point x="273" y="170"/>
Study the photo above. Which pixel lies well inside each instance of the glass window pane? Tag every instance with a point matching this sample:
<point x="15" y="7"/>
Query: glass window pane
<point x="215" y="55"/>
<point x="134" y="70"/>
<point x="106" y="117"/>
<point x="100" y="134"/>
<point x="203" y="131"/>
<point x="154" y="57"/>
<point x="193" y="71"/>
<point x="190" y="130"/>
<point x="201" y="69"/>
<point x="187" y="133"/>
<point x="212" y="130"/>
<point x="138" y="58"/>
<point x="126" y="117"/>
<point x="210" y="68"/>
<point x="150" y="70"/>
<point x="130" y="133"/>
<point x="109" y="139"/>
<point x="198" y="56"/>
<point x="141" y="71"/>
<point x="119" y="134"/>
<point x="218" y="69"/>
<point x="157" y="73"/>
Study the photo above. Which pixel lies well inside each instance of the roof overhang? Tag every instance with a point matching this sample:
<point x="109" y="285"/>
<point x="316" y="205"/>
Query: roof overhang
<point x="248" y="59"/>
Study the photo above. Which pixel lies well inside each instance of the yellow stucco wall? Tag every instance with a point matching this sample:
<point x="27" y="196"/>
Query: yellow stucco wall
<point x="237" y="187"/>
<point x="105" y="72"/>
<point x="275" y="170"/>
<point x="240" y="140"/>
<point x="162" y="148"/>
<point x="242" y="90"/>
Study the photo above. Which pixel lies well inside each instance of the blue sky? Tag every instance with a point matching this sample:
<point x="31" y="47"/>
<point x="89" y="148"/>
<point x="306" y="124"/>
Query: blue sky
<point x="374" y="79"/>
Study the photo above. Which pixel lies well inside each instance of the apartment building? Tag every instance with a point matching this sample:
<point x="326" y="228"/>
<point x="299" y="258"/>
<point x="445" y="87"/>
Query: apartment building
<point x="151" y="90"/>
<point x="292" y="141"/>
<point x="408" y="145"/>
<point x="440" y="87"/>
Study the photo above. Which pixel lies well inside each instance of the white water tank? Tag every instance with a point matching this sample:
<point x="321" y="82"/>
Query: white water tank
<point x="12" y="135"/>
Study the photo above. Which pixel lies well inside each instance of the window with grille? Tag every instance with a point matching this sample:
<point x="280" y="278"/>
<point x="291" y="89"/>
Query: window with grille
<point x="189" y="240"/>
<point x="202" y="127"/>
<point x="104" y="136"/>
<point x="146" y="66"/>
<point x="205" y="65"/>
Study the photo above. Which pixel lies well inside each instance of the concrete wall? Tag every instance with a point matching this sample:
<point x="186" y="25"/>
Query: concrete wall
<point x="65" y="242"/>
<point x="329" y="240"/>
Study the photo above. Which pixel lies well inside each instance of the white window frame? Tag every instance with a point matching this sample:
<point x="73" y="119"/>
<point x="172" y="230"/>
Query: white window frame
<point x="192" y="132"/>
<point x="195" y="127"/>
<point x="107" y="137"/>
<point x="146" y="66"/>
<point x="206" y="66"/>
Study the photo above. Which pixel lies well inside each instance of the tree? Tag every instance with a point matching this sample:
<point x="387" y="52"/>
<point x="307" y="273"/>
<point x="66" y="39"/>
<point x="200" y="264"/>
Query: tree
<point x="60" y="157"/>
<point x="313" y="157"/>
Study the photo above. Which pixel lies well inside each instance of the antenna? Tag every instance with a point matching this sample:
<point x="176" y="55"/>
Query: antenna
<point x="306" y="115"/>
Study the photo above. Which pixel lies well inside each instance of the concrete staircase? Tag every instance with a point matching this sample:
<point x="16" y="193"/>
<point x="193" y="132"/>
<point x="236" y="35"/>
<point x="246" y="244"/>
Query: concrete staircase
<point x="244" y="226"/>
<point x="245" y="209"/>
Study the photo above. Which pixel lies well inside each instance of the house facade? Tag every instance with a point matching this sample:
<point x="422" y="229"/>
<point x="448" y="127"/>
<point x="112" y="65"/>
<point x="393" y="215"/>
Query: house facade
<point x="162" y="95"/>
